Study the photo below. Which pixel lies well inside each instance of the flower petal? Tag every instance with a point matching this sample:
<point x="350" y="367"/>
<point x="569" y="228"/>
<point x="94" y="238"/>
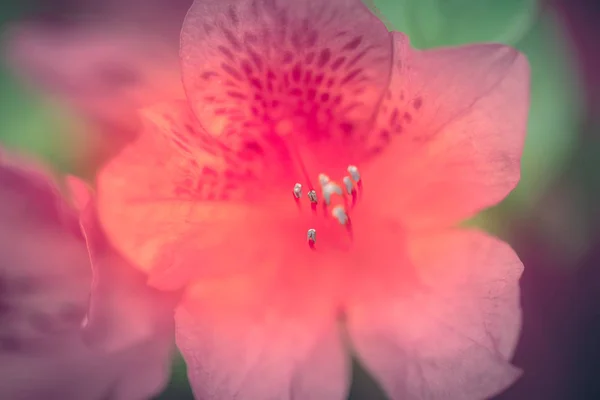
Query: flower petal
<point x="451" y="131"/>
<point x="287" y="70"/>
<point x="123" y="310"/>
<point x="44" y="290"/>
<point x="451" y="335"/>
<point x="160" y="188"/>
<point x="122" y="63"/>
<point x="239" y="339"/>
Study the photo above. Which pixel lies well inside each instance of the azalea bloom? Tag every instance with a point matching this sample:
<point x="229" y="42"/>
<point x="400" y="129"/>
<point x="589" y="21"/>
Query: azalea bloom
<point x="305" y="193"/>
<point x="123" y="350"/>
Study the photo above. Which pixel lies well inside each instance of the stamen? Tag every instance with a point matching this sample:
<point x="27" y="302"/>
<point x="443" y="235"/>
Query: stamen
<point x="340" y="206"/>
<point x="339" y="213"/>
<point x="297" y="190"/>
<point x="353" y="171"/>
<point x="323" y="179"/>
<point x="312" y="196"/>
<point x="348" y="183"/>
<point x="330" y="189"/>
<point x="350" y="189"/>
<point x="311" y="236"/>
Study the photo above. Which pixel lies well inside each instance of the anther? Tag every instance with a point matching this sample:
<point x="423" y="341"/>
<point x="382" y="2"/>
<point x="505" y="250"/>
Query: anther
<point x="348" y="183"/>
<point x="297" y="190"/>
<point x="329" y="190"/>
<point x="323" y="180"/>
<point x="312" y="196"/>
<point x="311" y="237"/>
<point x="350" y="189"/>
<point x="353" y="171"/>
<point x="339" y="213"/>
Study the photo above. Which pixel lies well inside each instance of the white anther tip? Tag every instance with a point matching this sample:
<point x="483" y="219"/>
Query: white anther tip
<point x="297" y="190"/>
<point x="353" y="171"/>
<point x="329" y="190"/>
<point x="312" y="196"/>
<point x="339" y="213"/>
<point x="323" y="179"/>
<point x="311" y="235"/>
<point x="348" y="183"/>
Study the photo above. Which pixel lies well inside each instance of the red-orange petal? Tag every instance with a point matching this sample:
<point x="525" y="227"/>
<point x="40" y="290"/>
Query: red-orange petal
<point x="451" y="332"/>
<point x="166" y="196"/>
<point x="450" y="132"/>
<point x="243" y="339"/>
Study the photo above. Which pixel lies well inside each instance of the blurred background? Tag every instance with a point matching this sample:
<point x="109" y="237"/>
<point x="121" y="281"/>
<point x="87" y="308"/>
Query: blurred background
<point x="552" y="219"/>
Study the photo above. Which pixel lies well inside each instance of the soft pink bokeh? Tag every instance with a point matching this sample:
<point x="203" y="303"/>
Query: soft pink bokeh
<point x="124" y="351"/>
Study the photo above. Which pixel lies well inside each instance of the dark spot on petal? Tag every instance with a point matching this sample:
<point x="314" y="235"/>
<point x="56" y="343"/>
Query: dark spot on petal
<point x="385" y="135"/>
<point x="356" y="58"/>
<point x="237" y="95"/>
<point x="407" y="117"/>
<point x="288" y="57"/>
<point x="324" y="58"/>
<point x="347" y="128"/>
<point x="246" y="67"/>
<point x="231" y="71"/>
<point x="253" y="146"/>
<point x="417" y="103"/>
<point x="256" y="83"/>
<point x="297" y="72"/>
<point x="337" y="63"/>
<point x="310" y="57"/>
<point x="208" y="75"/>
<point x="353" y="44"/>
<point x="394" y="117"/>
<point x="209" y="172"/>
<point x="232" y="39"/>
<point x="226" y="52"/>
<point x="233" y="16"/>
<point x="351" y="76"/>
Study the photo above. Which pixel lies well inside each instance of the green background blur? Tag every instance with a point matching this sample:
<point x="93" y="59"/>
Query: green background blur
<point x="560" y="185"/>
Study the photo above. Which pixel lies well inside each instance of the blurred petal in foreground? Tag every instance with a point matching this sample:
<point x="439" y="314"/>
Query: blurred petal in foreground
<point x="45" y="280"/>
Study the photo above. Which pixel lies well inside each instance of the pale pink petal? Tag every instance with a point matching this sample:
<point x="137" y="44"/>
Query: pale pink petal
<point x="310" y="73"/>
<point x="45" y="280"/>
<point x="450" y="133"/>
<point x="107" y="59"/>
<point x="243" y="341"/>
<point x="450" y="332"/>
<point x="123" y="310"/>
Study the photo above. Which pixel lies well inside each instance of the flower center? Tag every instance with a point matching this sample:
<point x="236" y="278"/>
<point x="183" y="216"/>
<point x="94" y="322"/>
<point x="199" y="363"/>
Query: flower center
<point x="330" y="202"/>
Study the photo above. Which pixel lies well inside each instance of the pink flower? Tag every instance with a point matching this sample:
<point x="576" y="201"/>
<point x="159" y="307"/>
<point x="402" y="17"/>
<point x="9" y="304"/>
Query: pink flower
<point x="278" y="93"/>
<point x="124" y="350"/>
<point x="104" y="58"/>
